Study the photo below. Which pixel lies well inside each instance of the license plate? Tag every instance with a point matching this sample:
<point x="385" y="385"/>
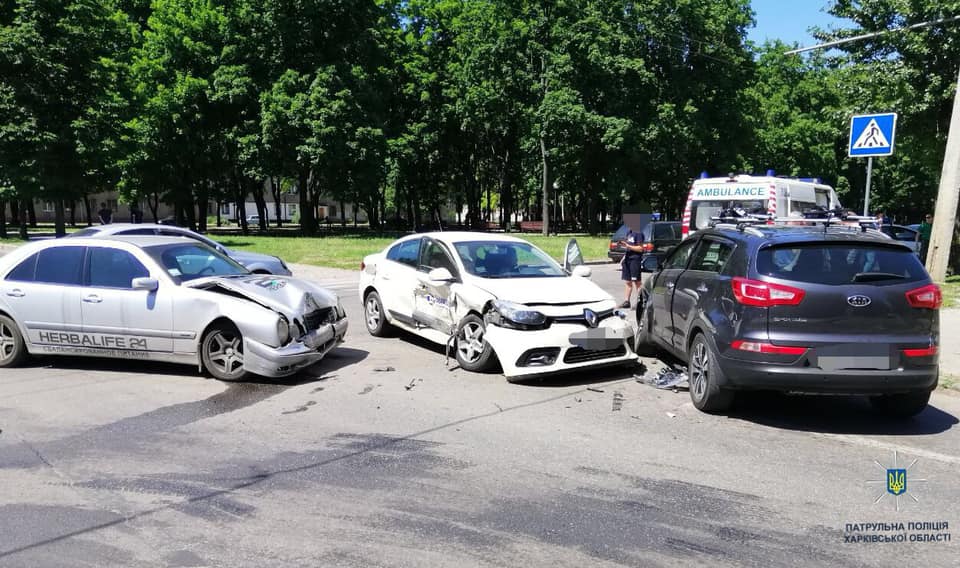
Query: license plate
<point x="854" y="356"/>
<point x="599" y="339"/>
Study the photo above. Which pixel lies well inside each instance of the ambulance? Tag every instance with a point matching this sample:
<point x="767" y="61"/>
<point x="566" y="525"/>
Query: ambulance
<point x="764" y="195"/>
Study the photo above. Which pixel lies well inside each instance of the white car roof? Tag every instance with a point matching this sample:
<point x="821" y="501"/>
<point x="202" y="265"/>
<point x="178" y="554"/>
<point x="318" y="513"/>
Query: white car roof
<point x="452" y="237"/>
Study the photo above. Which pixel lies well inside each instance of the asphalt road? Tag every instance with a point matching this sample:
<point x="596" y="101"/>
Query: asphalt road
<point x="126" y="463"/>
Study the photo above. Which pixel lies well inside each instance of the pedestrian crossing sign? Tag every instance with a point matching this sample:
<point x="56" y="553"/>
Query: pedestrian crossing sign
<point x="872" y="135"/>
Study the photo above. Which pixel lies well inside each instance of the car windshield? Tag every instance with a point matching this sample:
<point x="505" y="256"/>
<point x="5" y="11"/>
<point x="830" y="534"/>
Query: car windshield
<point x="702" y="212"/>
<point x="840" y="263"/>
<point x="188" y="261"/>
<point x="503" y="259"/>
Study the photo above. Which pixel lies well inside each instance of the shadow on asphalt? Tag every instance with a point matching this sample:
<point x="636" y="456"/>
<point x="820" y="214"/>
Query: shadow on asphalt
<point x="834" y="415"/>
<point x="337" y="359"/>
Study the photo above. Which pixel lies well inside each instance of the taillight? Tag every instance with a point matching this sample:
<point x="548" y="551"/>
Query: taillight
<point x="363" y="265"/>
<point x="613" y="245"/>
<point x="928" y="296"/>
<point x="765" y="294"/>
<point x="760" y="347"/>
<point x="925" y="352"/>
<point x="647" y="247"/>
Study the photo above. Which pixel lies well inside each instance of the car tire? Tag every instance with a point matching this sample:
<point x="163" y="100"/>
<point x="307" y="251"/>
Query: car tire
<point x="904" y="405"/>
<point x="705" y="377"/>
<point x="13" y="349"/>
<point x="643" y="341"/>
<point x="374" y="316"/>
<point x="473" y="351"/>
<point x="221" y="351"/>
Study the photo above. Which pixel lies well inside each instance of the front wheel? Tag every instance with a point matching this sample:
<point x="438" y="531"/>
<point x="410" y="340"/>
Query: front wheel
<point x="473" y="351"/>
<point x="13" y="349"/>
<point x="705" y="377"/>
<point x="905" y="405"/>
<point x="643" y="340"/>
<point x="222" y="352"/>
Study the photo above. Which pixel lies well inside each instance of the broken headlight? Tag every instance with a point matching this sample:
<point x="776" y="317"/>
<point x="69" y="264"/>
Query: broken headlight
<point x="516" y="316"/>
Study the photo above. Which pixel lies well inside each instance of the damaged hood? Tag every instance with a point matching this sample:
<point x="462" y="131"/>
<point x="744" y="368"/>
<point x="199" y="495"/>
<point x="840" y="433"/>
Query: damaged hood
<point x="561" y="290"/>
<point x="284" y="294"/>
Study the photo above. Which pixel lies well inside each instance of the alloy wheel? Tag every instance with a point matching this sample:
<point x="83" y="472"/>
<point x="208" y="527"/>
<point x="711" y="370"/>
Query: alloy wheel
<point x="699" y="366"/>
<point x="8" y="342"/>
<point x="373" y="313"/>
<point x="226" y="352"/>
<point x="470" y="342"/>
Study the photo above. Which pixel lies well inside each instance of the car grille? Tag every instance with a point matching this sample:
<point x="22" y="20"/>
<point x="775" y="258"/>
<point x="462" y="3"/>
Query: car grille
<point x="581" y="355"/>
<point x="579" y="319"/>
<point x="316" y="318"/>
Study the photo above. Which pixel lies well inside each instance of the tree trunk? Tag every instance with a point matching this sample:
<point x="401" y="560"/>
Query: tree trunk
<point x="256" y="189"/>
<point x="23" y="219"/>
<point x="59" y="218"/>
<point x="73" y="213"/>
<point x="239" y="199"/>
<point x="343" y="214"/>
<point x="203" y="205"/>
<point x="3" y="219"/>
<point x="219" y="210"/>
<point x="277" y="191"/>
<point x="31" y="213"/>
<point x="88" y="209"/>
<point x="308" y="221"/>
<point x="153" y="202"/>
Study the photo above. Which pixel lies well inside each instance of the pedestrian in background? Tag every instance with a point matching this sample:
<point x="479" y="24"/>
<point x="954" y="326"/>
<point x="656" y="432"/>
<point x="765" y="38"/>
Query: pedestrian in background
<point x="923" y="236"/>
<point x="105" y="214"/>
<point x="882" y="218"/>
<point x="631" y="265"/>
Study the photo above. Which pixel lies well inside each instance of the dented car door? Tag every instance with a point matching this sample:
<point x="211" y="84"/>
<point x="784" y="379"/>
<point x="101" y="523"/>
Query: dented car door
<point x="433" y="297"/>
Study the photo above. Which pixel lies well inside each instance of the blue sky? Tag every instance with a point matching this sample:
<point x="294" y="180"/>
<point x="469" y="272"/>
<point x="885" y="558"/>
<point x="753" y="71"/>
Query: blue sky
<point x="788" y="20"/>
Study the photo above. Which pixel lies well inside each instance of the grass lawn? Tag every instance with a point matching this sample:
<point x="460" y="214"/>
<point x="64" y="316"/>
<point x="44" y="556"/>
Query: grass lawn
<point x="951" y="292"/>
<point x="348" y="251"/>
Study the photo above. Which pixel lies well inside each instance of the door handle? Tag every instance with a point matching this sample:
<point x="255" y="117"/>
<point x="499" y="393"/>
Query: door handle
<point x="16" y="293"/>
<point x="670" y="285"/>
<point x="93" y="299"/>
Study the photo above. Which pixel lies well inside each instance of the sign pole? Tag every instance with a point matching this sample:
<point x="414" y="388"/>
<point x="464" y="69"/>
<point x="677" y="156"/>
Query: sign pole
<point x="866" y="198"/>
<point x="945" y="216"/>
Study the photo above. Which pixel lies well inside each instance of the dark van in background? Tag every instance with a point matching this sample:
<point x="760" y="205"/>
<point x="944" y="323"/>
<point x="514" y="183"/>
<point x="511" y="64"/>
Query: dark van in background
<point x="659" y="237"/>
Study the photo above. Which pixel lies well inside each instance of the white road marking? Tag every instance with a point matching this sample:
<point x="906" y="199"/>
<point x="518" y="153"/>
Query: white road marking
<point x="890" y="446"/>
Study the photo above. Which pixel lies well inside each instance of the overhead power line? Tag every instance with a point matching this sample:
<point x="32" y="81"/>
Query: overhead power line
<point x="874" y="34"/>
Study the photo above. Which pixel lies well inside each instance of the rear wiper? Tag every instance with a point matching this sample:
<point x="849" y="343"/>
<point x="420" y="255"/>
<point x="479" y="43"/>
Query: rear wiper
<point x="873" y="276"/>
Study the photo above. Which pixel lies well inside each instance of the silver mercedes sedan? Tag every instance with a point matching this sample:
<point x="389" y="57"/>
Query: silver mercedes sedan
<point x="161" y="299"/>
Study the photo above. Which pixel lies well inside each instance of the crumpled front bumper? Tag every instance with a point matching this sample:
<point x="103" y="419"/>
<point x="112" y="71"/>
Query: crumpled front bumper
<point x="284" y="361"/>
<point x="576" y="346"/>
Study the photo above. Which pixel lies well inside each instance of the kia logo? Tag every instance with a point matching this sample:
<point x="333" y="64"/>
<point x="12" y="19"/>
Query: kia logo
<point x="859" y="301"/>
<point x="591" y="317"/>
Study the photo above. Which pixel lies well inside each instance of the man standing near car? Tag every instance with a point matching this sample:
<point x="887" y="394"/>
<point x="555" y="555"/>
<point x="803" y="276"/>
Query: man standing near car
<point x="923" y="236"/>
<point x="631" y="264"/>
<point x="105" y="214"/>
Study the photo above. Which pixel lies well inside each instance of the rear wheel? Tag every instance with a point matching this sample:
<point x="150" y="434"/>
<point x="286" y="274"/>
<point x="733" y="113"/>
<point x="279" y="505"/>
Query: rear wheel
<point x="222" y="352"/>
<point x="13" y="350"/>
<point x="473" y="351"/>
<point x="903" y="405"/>
<point x="705" y="377"/>
<point x="374" y="315"/>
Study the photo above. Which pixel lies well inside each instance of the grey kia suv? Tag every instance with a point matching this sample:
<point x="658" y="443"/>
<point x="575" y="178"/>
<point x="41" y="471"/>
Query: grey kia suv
<point x="807" y="309"/>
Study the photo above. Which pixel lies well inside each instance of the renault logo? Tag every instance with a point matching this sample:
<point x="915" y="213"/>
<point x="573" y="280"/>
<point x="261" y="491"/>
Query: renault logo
<point x="859" y="301"/>
<point x="591" y="317"/>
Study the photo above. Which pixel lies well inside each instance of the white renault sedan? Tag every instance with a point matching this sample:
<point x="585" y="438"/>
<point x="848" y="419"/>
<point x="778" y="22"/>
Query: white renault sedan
<point x="161" y="299"/>
<point x="494" y="298"/>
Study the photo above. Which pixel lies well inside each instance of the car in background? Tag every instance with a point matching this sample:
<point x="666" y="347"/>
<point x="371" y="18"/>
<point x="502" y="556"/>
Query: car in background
<point x="253" y="261"/>
<point x="904" y="234"/>
<point x="253" y="219"/>
<point x="659" y="237"/>
<point x="161" y="298"/>
<point x="494" y="298"/>
<point x="799" y="309"/>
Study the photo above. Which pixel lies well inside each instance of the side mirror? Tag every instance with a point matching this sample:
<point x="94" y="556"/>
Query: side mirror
<point x="583" y="271"/>
<point x="440" y="275"/>
<point x="572" y="256"/>
<point x="148" y="284"/>
<point x="650" y="264"/>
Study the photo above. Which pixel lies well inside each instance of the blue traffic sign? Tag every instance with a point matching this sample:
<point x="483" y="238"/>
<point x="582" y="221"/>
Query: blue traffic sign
<point x="872" y="135"/>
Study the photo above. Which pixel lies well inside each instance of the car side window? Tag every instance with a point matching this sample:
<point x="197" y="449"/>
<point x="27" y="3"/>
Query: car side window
<point x="711" y="255"/>
<point x="407" y="252"/>
<point x="680" y="256"/>
<point x="113" y="268"/>
<point x="434" y="255"/>
<point x="134" y="232"/>
<point x="25" y="271"/>
<point x="60" y="265"/>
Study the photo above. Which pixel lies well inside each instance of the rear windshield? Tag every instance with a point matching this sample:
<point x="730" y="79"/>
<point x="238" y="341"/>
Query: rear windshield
<point x="702" y="212"/>
<point x="840" y="263"/>
<point x="666" y="232"/>
<point x="621" y="233"/>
